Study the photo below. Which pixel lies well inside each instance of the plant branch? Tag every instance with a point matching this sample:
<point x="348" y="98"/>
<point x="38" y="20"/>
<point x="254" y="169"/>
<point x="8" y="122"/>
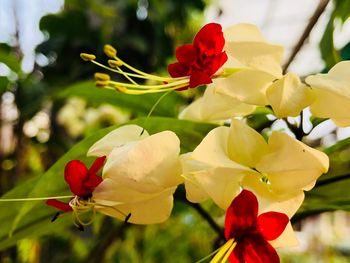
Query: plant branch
<point x="312" y="22"/>
<point x="209" y="219"/>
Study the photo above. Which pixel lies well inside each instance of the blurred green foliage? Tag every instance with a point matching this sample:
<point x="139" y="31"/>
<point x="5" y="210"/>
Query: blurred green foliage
<point x="148" y="42"/>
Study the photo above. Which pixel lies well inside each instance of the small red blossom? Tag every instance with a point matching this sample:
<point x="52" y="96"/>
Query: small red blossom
<point x="202" y="59"/>
<point x="81" y="181"/>
<point x="252" y="232"/>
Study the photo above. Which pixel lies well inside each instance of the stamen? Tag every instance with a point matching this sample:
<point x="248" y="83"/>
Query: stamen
<point x="223" y="252"/>
<point x="87" y="57"/>
<point x="115" y="63"/>
<point x="110" y="51"/>
<point x="34" y="198"/>
<point x="103" y="80"/>
<point x="102" y="76"/>
<point x="81" y="207"/>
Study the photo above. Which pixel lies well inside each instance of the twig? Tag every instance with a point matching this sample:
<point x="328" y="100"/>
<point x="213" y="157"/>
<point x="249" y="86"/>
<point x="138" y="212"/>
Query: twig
<point x="312" y="22"/>
<point x="209" y="219"/>
<point x="108" y="234"/>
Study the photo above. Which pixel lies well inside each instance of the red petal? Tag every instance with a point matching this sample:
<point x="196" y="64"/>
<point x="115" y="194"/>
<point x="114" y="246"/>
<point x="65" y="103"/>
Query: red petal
<point x="199" y="78"/>
<point x="241" y="216"/>
<point x="272" y="224"/>
<point x="257" y="250"/>
<point x="97" y="165"/>
<point x="75" y="173"/>
<point x="186" y="54"/>
<point x="59" y="205"/>
<point x="237" y="254"/>
<point x="93" y="181"/>
<point x="178" y="70"/>
<point x="215" y="63"/>
<point x="210" y="39"/>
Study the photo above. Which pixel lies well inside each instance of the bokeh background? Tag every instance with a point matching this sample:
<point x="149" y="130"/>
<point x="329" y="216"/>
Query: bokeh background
<point x="49" y="103"/>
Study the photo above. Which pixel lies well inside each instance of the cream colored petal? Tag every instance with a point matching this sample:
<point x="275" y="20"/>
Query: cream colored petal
<point x="286" y="239"/>
<point x="337" y="80"/>
<point x="221" y="184"/>
<point x="111" y="192"/>
<point x="215" y="107"/>
<point x="194" y="192"/>
<point x="291" y="165"/>
<point x="147" y="166"/>
<point x="257" y="55"/>
<point x="116" y="138"/>
<point x="213" y="150"/>
<point x="288" y="96"/>
<point x="152" y="211"/>
<point x="218" y="106"/>
<point x="331" y="105"/>
<point x="246" y="146"/>
<point x="243" y="32"/>
<point x="271" y="201"/>
<point x="247" y="85"/>
<point x="193" y="111"/>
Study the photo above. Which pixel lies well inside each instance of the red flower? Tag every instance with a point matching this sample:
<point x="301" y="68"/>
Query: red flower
<point x="252" y="232"/>
<point x="81" y="181"/>
<point x="201" y="59"/>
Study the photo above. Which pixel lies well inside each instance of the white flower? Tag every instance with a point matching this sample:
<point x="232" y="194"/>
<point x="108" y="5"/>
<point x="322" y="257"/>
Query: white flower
<point x="140" y="175"/>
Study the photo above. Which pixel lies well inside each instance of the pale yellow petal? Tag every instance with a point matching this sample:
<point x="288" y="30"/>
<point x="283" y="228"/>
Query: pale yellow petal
<point x="246" y="146"/>
<point x="337" y="80"/>
<point x="331" y="105"/>
<point x="332" y="92"/>
<point x="193" y="111"/>
<point x="247" y="85"/>
<point x="218" y="106"/>
<point x="243" y="32"/>
<point x="148" y="165"/>
<point x="215" y="107"/>
<point x="288" y="96"/>
<point x="271" y="201"/>
<point x="286" y="239"/>
<point x="291" y="165"/>
<point x="221" y="184"/>
<point x="116" y="138"/>
<point x="213" y="150"/>
<point x="111" y="192"/>
<point x="194" y="192"/>
<point x="152" y="211"/>
<point x="257" y="55"/>
<point x="245" y="43"/>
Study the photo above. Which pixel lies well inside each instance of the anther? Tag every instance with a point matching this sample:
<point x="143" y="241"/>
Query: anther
<point x="127" y="218"/>
<point x="115" y="63"/>
<point x="121" y="89"/>
<point x="87" y="57"/>
<point x="53" y="219"/>
<point x="101" y="83"/>
<point x="102" y="77"/>
<point x="110" y="51"/>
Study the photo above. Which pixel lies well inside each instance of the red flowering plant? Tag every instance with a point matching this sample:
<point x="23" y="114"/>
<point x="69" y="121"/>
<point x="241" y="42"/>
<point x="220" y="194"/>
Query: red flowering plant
<point x="197" y="65"/>
<point x="202" y="59"/>
<point x="82" y="182"/>
<point x="248" y="234"/>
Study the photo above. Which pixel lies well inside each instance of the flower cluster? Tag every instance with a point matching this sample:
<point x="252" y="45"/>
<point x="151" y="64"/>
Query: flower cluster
<point x="259" y="182"/>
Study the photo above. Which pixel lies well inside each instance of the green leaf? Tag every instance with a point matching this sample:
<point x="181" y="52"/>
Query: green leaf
<point x="33" y="218"/>
<point x="3" y="84"/>
<point x="329" y="53"/>
<point x="10" y="60"/>
<point x="141" y="105"/>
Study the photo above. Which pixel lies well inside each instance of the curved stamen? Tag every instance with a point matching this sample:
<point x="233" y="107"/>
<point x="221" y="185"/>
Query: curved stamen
<point x="34" y="198"/>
